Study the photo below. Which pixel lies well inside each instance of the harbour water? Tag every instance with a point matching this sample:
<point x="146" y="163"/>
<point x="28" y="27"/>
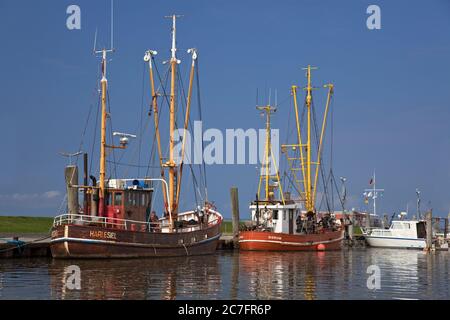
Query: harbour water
<point x="342" y="274"/>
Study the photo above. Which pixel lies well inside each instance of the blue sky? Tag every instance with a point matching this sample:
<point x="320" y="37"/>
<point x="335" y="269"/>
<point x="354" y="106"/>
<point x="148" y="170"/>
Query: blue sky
<point x="391" y="105"/>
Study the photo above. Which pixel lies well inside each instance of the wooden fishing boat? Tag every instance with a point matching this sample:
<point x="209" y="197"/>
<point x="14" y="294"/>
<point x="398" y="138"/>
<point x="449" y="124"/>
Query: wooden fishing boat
<point x="292" y="224"/>
<point x="117" y="219"/>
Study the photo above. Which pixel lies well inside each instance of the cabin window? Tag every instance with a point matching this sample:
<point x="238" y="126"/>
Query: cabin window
<point x="108" y="199"/>
<point x="275" y="214"/>
<point x="136" y="199"/>
<point x="132" y="199"/>
<point x="118" y="199"/>
<point x="284" y="215"/>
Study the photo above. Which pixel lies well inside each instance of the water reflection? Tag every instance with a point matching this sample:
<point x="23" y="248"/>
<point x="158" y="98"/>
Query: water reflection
<point x="164" y="279"/>
<point x="232" y="275"/>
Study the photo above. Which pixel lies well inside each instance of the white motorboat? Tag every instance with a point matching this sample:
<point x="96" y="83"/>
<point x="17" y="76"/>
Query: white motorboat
<point x="406" y="234"/>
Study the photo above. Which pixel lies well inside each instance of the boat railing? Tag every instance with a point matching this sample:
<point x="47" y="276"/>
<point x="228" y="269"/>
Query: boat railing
<point x="125" y="224"/>
<point x="80" y="219"/>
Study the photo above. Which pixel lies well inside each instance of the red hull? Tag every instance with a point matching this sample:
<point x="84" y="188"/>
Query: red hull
<point x="270" y="241"/>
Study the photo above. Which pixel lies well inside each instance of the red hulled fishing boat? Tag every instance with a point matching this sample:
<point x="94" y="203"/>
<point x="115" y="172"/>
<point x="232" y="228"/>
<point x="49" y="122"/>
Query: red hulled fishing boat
<point x="285" y="224"/>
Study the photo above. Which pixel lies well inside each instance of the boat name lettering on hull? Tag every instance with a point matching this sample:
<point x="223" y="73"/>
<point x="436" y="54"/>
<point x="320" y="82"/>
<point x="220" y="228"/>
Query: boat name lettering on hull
<point x="103" y="235"/>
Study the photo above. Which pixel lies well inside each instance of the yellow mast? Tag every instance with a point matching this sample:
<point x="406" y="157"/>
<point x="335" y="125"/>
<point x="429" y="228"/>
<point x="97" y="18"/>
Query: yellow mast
<point x="171" y="163"/>
<point x="307" y="183"/>
<point x="309" y="198"/>
<point x="104" y="84"/>
<point x="186" y="121"/>
<point x="268" y="157"/>
<point x="322" y="134"/>
<point x="299" y="135"/>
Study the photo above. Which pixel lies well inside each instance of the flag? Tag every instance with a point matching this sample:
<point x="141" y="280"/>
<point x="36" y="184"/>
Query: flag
<point x="371" y="181"/>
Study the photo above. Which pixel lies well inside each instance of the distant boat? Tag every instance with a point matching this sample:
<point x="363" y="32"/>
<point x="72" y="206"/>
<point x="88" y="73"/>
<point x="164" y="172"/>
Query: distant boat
<point x="405" y="234"/>
<point x="116" y="220"/>
<point x="280" y="223"/>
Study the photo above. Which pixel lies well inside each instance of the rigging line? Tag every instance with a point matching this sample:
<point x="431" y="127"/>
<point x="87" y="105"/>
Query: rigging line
<point x="325" y="187"/>
<point x="285" y="161"/>
<point x="141" y="117"/>
<point x="163" y="86"/>
<point x="201" y="119"/>
<point x="85" y="127"/>
<point x="332" y="178"/>
<point x="95" y="134"/>
<point x="189" y="125"/>
<point x="88" y="118"/>
<point x="194" y="179"/>
<point x="136" y="152"/>
<point x="111" y="133"/>
<point x="160" y="80"/>
<point x="291" y="182"/>
<point x="160" y="108"/>
<point x="316" y="133"/>
<point x="337" y="190"/>
<point x="130" y="164"/>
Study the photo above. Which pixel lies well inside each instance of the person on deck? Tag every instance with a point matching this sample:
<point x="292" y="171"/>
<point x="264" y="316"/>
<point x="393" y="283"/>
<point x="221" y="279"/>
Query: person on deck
<point x="154" y="222"/>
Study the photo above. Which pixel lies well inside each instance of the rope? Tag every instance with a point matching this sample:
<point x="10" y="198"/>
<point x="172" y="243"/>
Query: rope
<point x="23" y="244"/>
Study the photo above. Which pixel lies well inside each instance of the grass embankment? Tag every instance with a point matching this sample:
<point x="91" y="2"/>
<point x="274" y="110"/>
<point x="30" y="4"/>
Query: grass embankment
<point x="25" y="224"/>
<point x="42" y="225"/>
<point x="227" y="227"/>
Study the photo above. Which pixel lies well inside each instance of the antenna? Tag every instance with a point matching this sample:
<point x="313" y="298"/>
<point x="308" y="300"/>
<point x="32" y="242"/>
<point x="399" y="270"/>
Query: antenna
<point x="95" y="40"/>
<point x="276" y="98"/>
<point x="174" y="35"/>
<point x="70" y="155"/>
<point x="111" y="49"/>
<point x="112" y="24"/>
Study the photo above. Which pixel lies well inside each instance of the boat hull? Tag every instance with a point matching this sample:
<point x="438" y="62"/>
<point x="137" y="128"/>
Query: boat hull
<point x="271" y="241"/>
<point x="393" y="242"/>
<point x="73" y="241"/>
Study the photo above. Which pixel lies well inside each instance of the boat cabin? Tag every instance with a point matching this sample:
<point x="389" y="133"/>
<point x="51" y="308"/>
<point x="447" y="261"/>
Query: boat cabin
<point x="276" y="216"/>
<point x="128" y="202"/>
<point x="404" y="229"/>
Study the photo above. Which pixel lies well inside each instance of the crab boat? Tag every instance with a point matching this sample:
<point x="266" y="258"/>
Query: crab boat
<point x="117" y="219"/>
<point x="285" y="224"/>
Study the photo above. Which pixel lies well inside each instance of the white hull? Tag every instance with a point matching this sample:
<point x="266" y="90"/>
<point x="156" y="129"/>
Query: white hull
<point x="393" y="242"/>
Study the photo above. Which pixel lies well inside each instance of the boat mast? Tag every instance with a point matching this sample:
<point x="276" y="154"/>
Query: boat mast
<point x="308" y="186"/>
<point x="268" y="158"/>
<point x="193" y="52"/>
<point x="103" y="146"/>
<point x="373" y="193"/>
<point x="309" y="88"/>
<point x="171" y="163"/>
<point x="148" y="58"/>
<point x="322" y="135"/>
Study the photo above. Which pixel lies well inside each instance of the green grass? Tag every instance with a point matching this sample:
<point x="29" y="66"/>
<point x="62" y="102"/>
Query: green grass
<point x="42" y="225"/>
<point x="25" y="224"/>
<point x="227" y="227"/>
